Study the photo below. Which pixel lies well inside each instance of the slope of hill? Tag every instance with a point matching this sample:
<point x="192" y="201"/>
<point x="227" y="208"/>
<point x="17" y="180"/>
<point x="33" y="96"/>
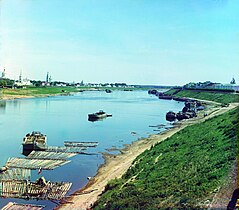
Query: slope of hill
<point x="181" y="172"/>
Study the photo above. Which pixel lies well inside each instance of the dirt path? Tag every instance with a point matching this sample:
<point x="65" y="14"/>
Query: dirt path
<point x="116" y="166"/>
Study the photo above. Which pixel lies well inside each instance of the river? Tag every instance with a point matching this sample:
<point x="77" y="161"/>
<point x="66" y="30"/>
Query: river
<point x="61" y="118"/>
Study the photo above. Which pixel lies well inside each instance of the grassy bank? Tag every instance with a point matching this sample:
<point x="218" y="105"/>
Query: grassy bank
<point x="41" y="91"/>
<point x="181" y="172"/>
<point x="220" y="97"/>
<point x="35" y="91"/>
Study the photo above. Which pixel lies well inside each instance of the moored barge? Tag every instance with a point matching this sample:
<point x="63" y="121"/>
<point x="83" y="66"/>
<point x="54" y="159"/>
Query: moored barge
<point x="98" y="115"/>
<point x="35" y="141"/>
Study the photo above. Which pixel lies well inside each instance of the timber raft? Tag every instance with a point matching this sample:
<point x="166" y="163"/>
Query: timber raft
<point x="17" y="206"/>
<point x="15" y="176"/>
<point x="34" y="190"/>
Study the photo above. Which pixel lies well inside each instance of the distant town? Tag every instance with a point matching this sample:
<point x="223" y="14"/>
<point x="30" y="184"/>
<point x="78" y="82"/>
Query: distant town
<point x="21" y="82"/>
<point x="25" y="82"/>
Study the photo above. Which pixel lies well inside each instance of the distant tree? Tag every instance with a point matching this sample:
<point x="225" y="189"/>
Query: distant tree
<point x="36" y="83"/>
<point x="6" y="82"/>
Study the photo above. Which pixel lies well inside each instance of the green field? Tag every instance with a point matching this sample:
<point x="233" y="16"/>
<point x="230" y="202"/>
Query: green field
<point x="37" y="91"/>
<point x="180" y="172"/>
<point x="220" y="97"/>
<point x="41" y="91"/>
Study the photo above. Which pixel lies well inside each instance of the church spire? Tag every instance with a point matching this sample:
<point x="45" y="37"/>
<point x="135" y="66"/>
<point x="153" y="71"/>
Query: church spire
<point x="233" y="81"/>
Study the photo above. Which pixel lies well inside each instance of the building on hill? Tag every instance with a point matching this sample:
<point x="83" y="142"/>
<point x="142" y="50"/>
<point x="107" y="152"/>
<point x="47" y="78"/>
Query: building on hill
<point x="22" y="82"/>
<point x="3" y="76"/>
<point x="208" y="85"/>
<point x="233" y="81"/>
<point x="48" y="80"/>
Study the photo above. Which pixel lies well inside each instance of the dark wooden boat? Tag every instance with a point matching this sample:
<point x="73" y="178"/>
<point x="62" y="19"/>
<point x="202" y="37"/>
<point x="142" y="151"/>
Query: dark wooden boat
<point x="98" y="116"/>
<point x="34" y="141"/>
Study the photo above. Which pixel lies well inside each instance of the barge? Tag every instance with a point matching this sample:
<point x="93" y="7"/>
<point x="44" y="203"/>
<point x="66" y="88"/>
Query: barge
<point x="97" y="116"/>
<point x="35" y="141"/>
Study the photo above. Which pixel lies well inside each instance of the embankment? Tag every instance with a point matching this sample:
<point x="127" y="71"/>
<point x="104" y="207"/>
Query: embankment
<point x="116" y="167"/>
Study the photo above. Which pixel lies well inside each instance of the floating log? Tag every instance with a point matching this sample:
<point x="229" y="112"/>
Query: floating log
<point x="28" y="163"/>
<point x="80" y="144"/>
<point x="17" y="206"/>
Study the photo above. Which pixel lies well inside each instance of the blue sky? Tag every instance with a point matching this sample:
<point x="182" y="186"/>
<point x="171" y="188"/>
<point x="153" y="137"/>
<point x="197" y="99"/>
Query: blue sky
<point x="163" y="42"/>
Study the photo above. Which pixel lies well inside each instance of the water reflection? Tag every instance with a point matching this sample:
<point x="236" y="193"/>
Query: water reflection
<point x="3" y="105"/>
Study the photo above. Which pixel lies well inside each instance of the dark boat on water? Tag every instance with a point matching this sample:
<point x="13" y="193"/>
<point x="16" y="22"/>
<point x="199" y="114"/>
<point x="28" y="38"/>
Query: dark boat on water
<point x="98" y="115"/>
<point x="108" y="91"/>
<point x="35" y="141"/>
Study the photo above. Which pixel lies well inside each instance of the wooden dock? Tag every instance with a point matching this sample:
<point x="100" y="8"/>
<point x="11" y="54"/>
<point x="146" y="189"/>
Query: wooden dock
<point x="33" y="190"/>
<point x="27" y="163"/>
<point x="17" y="206"/>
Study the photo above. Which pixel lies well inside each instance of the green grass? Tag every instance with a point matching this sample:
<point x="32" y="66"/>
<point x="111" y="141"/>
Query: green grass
<point x="220" y="97"/>
<point x="181" y="171"/>
<point x="34" y="91"/>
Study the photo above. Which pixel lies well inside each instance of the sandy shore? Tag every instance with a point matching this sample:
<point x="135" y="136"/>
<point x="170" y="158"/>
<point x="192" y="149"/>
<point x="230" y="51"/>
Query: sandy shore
<point x="11" y="97"/>
<point x="116" y="165"/>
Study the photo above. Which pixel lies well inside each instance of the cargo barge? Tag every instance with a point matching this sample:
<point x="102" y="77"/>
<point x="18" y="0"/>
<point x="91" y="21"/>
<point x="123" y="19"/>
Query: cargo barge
<point x="35" y="141"/>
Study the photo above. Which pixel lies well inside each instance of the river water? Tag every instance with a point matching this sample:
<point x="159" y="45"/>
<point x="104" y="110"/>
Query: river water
<point x="64" y="118"/>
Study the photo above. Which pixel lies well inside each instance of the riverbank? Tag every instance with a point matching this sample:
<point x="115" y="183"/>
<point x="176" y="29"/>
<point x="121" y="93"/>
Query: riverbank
<point x="33" y="92"/>
<point x="116" y="165"/>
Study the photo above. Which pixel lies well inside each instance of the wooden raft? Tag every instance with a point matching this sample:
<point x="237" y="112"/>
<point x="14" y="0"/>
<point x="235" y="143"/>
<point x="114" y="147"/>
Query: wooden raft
<point x="80" y="144"/>
<point x="16" y="206"/>
<point x="50" y="155"/>
<point x="29" y="190"/>
<point x="27" y="163"/>
<point x="77" y="150"/>
<point x="16" y="174"/>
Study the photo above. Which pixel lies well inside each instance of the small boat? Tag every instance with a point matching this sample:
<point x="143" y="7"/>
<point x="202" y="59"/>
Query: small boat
<point x="108" y="91"/>
<point x="34" y="141"/>
<point x="98" y="115"/>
